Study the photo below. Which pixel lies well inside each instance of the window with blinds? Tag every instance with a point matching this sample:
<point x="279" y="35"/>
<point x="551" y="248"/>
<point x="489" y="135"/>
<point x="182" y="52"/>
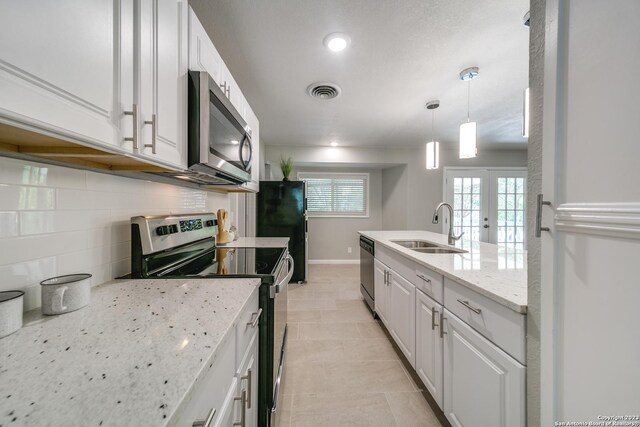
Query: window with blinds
<point x="336" y="194"/>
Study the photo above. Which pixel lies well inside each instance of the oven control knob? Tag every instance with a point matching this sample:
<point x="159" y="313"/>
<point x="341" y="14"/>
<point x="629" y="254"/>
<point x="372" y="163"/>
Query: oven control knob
<point x="210" y="223"/>
<point x="163" y="230"/>
<point x="173" y="228"/>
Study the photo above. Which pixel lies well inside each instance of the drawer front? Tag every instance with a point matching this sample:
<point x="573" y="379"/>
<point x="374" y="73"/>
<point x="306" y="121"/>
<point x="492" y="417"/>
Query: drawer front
<point x="245" y="329"/>
<point x="213" y="388"/>
<point x="425" y="279"/>
<point x="499" y="324"/>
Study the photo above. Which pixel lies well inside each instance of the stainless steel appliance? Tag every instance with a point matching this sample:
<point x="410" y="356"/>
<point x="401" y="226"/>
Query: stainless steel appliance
<point x="184" y="246"/>
<point x="219" y="139"/>
<point x="367" y="269"/>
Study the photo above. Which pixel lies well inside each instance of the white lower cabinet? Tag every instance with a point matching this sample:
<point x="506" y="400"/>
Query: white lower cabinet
<point x="459" y="357"/>
<point x="228" y="392"/>
<point x="402" y="314"/>
<point x="429" y="345"/>
<point x="381" y="291"/>
<point x="484" y="386"/>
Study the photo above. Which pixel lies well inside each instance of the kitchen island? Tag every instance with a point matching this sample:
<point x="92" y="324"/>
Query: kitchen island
<point x="132" y="357"/>
<point x="458" y="315"/>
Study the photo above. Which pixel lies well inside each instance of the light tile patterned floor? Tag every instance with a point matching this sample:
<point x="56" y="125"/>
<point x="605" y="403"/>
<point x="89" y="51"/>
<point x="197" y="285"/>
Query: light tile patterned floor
<point x="341" y="368"/>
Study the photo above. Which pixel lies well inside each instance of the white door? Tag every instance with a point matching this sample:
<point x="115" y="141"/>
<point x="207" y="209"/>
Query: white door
<point x="429" y="345"/>
<point x="60" y="68"/>
<point x="402" y="314"/>
<point x="589" y="277"/>
<point x="468" y="193"/>
<point x="162" y="76"/>
<point x="381" y="291"/>
<point x="489" y="204"/>
<point x="483" y="385"/>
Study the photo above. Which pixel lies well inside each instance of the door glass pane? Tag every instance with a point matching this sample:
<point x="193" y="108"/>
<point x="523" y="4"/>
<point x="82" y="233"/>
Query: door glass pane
<point x="510" y="212"/>
<point x="467" y="206"/>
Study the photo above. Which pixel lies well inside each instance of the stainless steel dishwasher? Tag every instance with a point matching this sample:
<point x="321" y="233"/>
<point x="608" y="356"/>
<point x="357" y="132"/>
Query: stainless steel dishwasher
<point x="367" y="254"/>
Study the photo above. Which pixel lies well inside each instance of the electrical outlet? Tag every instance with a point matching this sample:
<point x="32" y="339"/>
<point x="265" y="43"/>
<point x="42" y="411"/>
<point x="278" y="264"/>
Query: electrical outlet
<point x="349" y="250"/>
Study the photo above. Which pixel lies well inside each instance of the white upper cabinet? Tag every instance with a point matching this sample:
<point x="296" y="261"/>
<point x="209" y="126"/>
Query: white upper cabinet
<point x="162" y="76"/>
<point x="103" y="73"/>
<point x="203" y="55"/>
<point x="60" y="69"/>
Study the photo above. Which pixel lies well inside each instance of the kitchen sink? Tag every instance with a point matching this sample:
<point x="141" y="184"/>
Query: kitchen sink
<point x="439" y="250"/>
<point x="413" y="244"/>
<point x="427" y="247"/>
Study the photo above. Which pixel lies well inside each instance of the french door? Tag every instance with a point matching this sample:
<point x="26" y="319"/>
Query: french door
<point x="488" y="204"/>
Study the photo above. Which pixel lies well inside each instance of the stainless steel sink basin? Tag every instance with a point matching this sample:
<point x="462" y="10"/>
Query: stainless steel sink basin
<point x="413" y="244"/>
<point x="439" y="250"/>
<point x="427" y="247"/>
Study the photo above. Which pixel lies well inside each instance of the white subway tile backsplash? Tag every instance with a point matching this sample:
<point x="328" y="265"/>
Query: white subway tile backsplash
<point x="8" y="224"/>
<point x="56" y="220"/>
<point x="19" y="197"/>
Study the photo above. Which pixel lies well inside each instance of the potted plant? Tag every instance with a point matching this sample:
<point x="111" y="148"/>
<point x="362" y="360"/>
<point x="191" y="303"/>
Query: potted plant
<point x="286" y="165"/>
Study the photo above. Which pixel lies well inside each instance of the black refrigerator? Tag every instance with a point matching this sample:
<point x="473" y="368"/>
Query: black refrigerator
<point x="282" y="212"/>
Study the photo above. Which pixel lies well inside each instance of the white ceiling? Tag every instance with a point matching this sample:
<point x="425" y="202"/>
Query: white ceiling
<point x="403" y="53"/>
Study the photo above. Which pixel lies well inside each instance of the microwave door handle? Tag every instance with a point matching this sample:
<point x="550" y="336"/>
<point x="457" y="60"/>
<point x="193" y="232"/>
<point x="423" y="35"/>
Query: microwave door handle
<point x="244" y="142"/>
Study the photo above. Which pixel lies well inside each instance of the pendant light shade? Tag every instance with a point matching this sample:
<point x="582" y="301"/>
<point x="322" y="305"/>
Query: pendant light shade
<point x="433" y="147"/>
<point x="468" y="140"/>
<point x="433" y="155"/>
<point x="469" y="130"/>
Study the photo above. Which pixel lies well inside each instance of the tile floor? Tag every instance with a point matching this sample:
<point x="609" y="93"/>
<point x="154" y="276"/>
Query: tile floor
<point x="341" y="369"/>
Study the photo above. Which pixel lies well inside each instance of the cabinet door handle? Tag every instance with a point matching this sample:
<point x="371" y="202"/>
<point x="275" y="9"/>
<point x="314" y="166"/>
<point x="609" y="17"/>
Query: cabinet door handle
<point x="255" y="318"/>
<point x="442" y="319"/>
<point x="154" y="125"/>
<point x="469" y="306"/>
<point x="229" y="91"/>
<point x="539" y="227"/>
<point x="207" y="422"/>
<point x="134" y="114"/>
<point x="434" y="313"/>
<point x="248" y="378"/>
<point x="424" y="278"/>
<point x="243" y="412"/>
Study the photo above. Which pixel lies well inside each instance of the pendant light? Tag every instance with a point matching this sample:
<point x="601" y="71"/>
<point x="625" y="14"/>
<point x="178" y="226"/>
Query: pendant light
<point x="433" y="147"/>
<point x="468" y="130"/>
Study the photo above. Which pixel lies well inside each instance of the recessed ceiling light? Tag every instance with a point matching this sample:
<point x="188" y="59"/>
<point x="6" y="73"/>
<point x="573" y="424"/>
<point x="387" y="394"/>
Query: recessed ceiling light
<point x="235" y="142"/>
<point x="334" y="143"/>
<point x="337" y="42"/>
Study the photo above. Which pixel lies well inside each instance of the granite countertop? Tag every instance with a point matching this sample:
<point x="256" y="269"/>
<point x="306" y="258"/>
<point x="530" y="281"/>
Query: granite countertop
<point x="496" y="272"/>
<point x="257" y="242"/>
<point x="127" y="359"/>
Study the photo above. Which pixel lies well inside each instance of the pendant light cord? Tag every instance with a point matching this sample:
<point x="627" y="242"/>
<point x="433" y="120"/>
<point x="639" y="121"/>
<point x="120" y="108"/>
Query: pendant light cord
<point x="432" y="115"/>
<point x="468" y="99"/>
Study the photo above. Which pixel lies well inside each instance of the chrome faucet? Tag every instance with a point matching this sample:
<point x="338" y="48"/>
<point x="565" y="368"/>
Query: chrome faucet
<point x="452" y="237"/>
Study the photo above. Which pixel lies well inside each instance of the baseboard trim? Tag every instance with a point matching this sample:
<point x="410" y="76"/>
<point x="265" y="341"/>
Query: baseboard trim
<point x="608" y="219"/>
<point x="334" y="261"/>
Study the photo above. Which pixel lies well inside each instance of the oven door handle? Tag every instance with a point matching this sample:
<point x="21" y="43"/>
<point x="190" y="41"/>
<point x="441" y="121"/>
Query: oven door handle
<point x="277" y="288"/>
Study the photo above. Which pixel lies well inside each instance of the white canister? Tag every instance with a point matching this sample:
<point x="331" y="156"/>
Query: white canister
<point x="65" y="293"/>
<point x="10" y="312"/>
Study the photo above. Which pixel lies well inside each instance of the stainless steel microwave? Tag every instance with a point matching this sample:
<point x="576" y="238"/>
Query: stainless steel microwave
<point x="219" y="143"/>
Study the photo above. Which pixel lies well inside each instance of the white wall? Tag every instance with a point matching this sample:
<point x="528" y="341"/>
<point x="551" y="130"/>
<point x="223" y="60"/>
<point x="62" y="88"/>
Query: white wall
<point x="329" y="238"/>
<point x="410" y="195"/>
<point x="56" y="220"/>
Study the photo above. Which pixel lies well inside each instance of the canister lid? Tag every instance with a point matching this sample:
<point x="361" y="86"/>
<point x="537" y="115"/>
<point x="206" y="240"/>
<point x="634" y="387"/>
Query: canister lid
<point x="9" y="295"/>
<point x="69" y="278"/>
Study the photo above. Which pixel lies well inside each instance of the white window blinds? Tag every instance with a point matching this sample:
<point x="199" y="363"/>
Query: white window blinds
<point x="337" y="194"/>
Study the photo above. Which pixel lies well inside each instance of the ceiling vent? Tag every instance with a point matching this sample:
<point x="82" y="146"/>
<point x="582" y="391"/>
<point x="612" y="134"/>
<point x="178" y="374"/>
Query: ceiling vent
<point x="324" y="90"/>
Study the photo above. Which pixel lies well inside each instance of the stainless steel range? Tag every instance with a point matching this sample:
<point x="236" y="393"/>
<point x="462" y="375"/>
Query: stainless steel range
<point x="185" y="246"/>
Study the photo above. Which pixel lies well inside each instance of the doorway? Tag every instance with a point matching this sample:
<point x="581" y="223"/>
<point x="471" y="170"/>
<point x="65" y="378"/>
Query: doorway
<point x="489" y="204"/>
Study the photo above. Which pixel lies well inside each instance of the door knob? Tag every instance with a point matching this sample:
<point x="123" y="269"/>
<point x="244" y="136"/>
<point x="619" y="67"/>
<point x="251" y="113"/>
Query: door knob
<point x="485" y="226"/>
